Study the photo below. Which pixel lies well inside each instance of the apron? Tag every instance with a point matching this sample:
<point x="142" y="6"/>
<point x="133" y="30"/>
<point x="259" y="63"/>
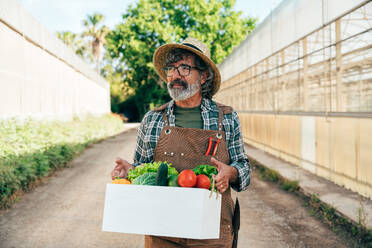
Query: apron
<point x="185" y="148"/>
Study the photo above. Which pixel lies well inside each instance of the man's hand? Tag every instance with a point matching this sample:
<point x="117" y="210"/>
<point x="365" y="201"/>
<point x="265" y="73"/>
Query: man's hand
<point x="121" y="169"/>
<point x="226" y="175"/>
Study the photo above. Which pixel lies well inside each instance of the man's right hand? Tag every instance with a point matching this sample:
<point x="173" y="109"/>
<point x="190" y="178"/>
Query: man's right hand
<point x="121" y="169"/>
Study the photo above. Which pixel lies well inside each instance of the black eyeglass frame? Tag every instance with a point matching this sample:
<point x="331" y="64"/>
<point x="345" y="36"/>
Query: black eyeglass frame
<point x="166" y="68"/>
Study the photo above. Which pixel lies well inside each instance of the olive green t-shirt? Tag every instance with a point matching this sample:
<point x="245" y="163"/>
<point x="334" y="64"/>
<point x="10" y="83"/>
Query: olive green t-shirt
<point x="188" y="117"/>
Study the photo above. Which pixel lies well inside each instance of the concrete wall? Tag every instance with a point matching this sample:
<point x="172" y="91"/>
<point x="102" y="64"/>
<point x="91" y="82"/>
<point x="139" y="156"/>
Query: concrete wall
<point x="336" y="148"/>
<point x="40" y="77"/>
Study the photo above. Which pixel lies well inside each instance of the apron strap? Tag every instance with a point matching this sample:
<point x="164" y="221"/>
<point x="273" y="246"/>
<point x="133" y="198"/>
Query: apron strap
<point x="162" y="109"/>
<point x="165" y="118"/>
<point x="220" y="118"/>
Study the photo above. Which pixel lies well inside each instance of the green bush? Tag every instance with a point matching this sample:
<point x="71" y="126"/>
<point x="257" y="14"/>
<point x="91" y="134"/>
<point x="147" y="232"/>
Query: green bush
<point x="8" y="183"/>
<point x="31" y="149"/>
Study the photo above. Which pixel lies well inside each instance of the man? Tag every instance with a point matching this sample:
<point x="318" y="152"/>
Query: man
<point x="191" y="130"/>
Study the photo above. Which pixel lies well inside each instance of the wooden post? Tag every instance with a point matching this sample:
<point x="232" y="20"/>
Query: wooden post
<point x="339" y="68"/>
<point x="255" y="85"/>
<point x="276" y="97"/>
<point x="306" y="83"/>
<point x="360" y="89"/>
<point x="248" y="90"/>
<point x="251" y="89"/>
<point x="324" y="76"/>
<point x="283" y="97"/>
<point x="267" y="82"/>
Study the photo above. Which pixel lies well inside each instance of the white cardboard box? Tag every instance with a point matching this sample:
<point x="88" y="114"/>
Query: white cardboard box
<point x="162" y="211"/>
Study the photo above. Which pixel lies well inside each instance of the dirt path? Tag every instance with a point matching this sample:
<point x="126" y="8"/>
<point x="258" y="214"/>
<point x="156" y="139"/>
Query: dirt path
<point x="67" y="210"/>
<point x="274" y="218"/>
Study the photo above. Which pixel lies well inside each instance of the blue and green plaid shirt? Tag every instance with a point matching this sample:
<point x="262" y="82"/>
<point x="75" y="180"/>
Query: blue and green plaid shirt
<point x="152" y="124"/>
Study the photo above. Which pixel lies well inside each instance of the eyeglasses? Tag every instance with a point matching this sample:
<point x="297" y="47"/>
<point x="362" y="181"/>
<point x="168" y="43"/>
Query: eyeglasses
<point x="183" y="70"/>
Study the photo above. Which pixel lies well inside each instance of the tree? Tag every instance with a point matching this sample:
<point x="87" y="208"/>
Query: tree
<point x="68" y="38"/>
<point x="119" y="91"/>
<point x="97" y="32"/>
<point x="75" y="42"/>
<point x="152" y="23"/>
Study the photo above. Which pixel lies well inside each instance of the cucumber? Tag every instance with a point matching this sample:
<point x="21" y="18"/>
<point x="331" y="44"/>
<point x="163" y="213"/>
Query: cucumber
<point x="162" y="175"/>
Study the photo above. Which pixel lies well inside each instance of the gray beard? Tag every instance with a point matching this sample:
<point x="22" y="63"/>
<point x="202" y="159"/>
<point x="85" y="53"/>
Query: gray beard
<point x="185" y="93"/>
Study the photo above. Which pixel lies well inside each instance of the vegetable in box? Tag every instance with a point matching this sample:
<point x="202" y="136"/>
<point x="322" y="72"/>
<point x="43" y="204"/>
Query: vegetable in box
<point x="208" y="170"/>
<point x="150" y="167"/>
<point x="148" y="178"/>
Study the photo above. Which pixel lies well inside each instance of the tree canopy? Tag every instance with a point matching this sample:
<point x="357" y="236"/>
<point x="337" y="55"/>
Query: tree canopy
<point x="89" y="45"/>
<point x="97" y="33"/>
<point x="76" y="43"/>
<point x="151" y="23"/>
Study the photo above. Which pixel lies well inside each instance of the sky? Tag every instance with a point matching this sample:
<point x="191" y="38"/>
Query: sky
<point x="67" y="15"/>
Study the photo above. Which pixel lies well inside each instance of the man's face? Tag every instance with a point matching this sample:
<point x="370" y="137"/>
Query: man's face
<point x="182" y="87"/>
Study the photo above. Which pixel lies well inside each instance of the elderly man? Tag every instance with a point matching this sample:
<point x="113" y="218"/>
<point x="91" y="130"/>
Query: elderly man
<point x="181" y="130"/>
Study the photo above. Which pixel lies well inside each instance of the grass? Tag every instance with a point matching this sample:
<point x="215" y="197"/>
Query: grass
<point x="271" y="175"/>
<point x="355" y="232"/>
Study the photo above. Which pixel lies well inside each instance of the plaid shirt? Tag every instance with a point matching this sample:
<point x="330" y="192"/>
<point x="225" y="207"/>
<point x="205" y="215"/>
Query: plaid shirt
<point x="152" y="125"/>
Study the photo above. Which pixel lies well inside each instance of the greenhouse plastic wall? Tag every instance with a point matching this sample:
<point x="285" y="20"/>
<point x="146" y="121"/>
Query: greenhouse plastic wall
<point x="302" y="86"/>
<point x="290" y="21"/>
<point x="40" y="77"/>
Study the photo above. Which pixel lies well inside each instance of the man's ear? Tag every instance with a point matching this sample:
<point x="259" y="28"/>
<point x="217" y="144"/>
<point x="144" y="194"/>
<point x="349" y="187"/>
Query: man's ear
<point x="204" y="77"/>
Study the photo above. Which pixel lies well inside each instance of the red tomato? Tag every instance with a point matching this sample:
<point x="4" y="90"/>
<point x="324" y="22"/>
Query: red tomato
<point x="202" y="181"/>
<point x="187" y="178"/>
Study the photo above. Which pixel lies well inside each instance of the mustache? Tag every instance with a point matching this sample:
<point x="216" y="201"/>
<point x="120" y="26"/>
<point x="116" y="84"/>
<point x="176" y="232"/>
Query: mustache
<point x="178" y="81"/>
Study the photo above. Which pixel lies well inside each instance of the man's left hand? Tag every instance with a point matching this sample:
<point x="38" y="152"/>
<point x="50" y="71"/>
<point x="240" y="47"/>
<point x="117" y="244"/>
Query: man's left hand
<point x="226" y="175"/>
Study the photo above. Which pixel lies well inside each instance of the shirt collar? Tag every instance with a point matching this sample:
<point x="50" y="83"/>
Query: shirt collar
<point x="206" y="105"/>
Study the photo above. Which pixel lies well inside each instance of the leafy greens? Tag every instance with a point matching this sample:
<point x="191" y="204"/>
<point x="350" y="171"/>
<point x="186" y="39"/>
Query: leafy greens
<point x="150" y="167"/>
<point x="205" y="169"/>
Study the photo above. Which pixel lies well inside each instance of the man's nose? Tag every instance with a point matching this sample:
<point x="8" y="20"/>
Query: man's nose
<point x="176" y="75"/>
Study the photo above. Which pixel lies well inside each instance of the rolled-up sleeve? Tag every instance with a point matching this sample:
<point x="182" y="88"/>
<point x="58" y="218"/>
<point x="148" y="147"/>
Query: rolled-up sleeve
<point x="144" y="151"/>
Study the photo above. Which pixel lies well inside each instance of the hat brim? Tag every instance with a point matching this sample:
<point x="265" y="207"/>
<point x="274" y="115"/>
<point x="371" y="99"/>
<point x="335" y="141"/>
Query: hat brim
<point x="161" y="54"/>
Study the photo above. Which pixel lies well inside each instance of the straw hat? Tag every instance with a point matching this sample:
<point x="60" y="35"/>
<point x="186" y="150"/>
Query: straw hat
<point x="194" y="46"/>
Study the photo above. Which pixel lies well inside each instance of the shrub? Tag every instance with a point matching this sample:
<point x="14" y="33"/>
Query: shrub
<point x="31" y="149"/>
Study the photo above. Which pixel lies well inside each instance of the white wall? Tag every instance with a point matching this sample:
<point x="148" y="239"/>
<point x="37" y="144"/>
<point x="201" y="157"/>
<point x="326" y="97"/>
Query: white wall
<point x="40" y="77"/>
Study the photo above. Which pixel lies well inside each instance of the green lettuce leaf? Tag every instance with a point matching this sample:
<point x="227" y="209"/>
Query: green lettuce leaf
<point x="149" y="167"/>
<point x="206" y="169"/>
